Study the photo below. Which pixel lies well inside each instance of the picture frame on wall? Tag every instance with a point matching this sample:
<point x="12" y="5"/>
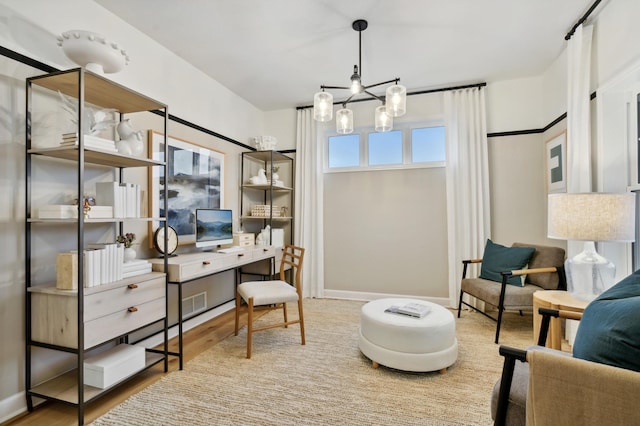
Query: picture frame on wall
<point x="195" y="179"/>
<point x="556" y="163"/>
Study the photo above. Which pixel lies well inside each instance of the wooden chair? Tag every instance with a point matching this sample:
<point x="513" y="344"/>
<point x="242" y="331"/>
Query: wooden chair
<point x="274" y="293"/>
<point x="545" y="272"/>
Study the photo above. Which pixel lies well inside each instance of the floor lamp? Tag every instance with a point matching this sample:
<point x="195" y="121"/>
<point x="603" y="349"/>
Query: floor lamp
<point x="591" y="217"/>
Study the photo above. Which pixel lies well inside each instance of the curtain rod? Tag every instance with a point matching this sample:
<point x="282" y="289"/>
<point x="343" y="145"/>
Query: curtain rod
<point x="421" y="92"/>
<point x="581" y="20"/>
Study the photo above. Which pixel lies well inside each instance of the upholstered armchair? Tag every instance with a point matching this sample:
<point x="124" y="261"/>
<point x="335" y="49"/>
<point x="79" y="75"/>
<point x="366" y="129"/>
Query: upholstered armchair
<point x="510" y="275"/>
<point x="598" y="383"/>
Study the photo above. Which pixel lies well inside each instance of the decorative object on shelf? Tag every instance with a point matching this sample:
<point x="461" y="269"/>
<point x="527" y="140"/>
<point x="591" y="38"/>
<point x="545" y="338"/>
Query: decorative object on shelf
<point x="393" y="105"/>
<point x="172" y="240"/>
<point x="195" y="181"/>
<point x="590" y="217"/>
<point x="94" y="121"/>
<point x="263" y="237"/>
<point x="93" y="51"/>
<point x="265" y="143"/>
<point x="260" y="178"/>
<point x="127" y="239"/>
<point x="130" y="142"/>
<point x="263" y="210"/>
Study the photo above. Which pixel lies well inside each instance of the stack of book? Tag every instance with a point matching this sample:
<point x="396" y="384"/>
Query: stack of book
<point x="125" y="198"/>
<point x="102" y="264"/>
<point x="90" y="141"/>
<point x="135" y="267"/>
<point x="416" y="310"/>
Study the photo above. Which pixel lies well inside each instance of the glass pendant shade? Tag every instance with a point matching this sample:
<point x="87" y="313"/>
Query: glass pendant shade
<point x="384" y="121"/>
<point x="323" y="106"/>
<point x="396" y="100"/>
<point x="344" y="121"/>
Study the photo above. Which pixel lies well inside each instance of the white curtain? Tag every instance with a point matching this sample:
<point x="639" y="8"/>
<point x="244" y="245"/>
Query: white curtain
<point x="468" y="205"/>
<point x="308" y="229"/>
<point x="579" y="111"/>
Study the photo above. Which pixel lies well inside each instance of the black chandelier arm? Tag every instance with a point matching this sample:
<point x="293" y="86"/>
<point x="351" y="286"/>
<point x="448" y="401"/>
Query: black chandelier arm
<point x="334" y="87"/>
<point x="374" y="96"/>
<point x="395" y="80"/>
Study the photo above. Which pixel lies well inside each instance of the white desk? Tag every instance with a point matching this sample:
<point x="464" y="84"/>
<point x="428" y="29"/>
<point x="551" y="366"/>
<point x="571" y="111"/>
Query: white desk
<point x="188" y="267"/>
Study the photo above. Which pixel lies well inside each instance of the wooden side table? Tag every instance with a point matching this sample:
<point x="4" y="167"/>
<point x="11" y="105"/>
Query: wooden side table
<point x="554" y="299"/>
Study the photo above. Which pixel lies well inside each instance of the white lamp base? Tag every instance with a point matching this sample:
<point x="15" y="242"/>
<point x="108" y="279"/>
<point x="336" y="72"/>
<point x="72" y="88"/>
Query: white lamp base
<point x="588" y="273"/>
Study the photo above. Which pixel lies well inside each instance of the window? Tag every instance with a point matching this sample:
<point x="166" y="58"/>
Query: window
<point x="344" y="151"/>
<point x="404" y="147"/>
<point x="385" y="148"/>
<point x="427" y="144"/>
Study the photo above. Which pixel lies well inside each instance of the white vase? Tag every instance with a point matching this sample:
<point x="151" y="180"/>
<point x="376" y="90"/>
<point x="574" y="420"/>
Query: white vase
<point x="129" y="254"/>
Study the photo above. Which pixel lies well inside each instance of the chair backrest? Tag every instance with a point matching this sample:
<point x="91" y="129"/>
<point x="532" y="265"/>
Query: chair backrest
<point x="293" y="256"/>
<point x="544" y="257"/>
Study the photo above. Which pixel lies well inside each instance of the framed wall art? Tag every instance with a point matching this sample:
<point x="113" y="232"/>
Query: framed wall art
<point x="195" y="179"/>
<point x="556" y="163"/>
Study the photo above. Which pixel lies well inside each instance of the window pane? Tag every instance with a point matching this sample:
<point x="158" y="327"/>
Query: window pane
<point x="427" y="144"/>
<point x="385" y="148"/>
<point x="344" y="151"/>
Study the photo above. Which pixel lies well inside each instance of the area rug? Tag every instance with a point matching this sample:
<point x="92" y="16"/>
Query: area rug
<point x="327" y="381"/>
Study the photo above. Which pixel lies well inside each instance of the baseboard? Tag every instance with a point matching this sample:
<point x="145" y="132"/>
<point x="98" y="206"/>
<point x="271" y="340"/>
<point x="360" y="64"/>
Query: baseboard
<point x="363" y="296"/>
<point x="13" y="406"/>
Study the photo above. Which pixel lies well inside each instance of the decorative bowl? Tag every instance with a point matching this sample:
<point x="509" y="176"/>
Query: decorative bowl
<point x="93" y="51"/>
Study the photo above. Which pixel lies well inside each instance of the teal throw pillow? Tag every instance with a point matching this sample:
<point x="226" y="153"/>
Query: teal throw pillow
<point x="498" y="258"/>
<point x="608" y="332"/>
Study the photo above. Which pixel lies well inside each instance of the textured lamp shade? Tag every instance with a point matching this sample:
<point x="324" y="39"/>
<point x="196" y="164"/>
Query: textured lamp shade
<point x="344" y="121"/>
<point x="384" y="121"/>
<point x="396" y="100"/>
<point x="591" y="217"/>
<point x="323" y="106"/>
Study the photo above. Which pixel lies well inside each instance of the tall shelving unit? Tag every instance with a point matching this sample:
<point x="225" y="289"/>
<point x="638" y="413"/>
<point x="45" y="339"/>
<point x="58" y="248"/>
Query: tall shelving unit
<point x="81" y="320"/>
<point x="275" y="192"/>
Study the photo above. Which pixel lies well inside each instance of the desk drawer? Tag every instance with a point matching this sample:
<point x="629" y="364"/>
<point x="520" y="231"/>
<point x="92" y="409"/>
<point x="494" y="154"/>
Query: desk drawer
<point x="194" y="269"/>
<point x="104" y="303"/>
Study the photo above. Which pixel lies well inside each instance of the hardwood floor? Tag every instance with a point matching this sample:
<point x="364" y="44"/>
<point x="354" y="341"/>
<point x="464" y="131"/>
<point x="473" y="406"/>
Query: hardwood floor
<point x="195" y="341"/>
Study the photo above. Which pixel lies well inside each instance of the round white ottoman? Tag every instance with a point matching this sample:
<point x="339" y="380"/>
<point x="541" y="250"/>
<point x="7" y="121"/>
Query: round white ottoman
<point x="408" y="343"/>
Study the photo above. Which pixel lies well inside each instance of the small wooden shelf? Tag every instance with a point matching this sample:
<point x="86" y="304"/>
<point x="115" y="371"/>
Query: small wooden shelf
<point x="51" y="287"/>
<point x="65" y="386"/>
<point x="96" y="156"/>
<point x="266" y="187"/>
<point x="274" y="218"/>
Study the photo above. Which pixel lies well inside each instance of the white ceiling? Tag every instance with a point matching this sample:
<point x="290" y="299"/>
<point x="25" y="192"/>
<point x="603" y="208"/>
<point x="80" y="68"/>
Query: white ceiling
<point x="277" y="53"/>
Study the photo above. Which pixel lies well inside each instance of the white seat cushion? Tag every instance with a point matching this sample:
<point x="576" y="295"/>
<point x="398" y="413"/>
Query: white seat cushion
<point x="268" y="292"/>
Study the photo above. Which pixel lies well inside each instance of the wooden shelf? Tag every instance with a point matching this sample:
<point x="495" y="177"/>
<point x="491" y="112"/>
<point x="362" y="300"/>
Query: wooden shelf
<point x="51" y="287"/>
<point x="274" y="156"/>
<point x="274" y="218"/>
<point x="102" y="220"/>
<point x="99" y="91"/>
<point x="267" y="187"/>
<point x="65" y="387"/>
<point x="96" y="156"/>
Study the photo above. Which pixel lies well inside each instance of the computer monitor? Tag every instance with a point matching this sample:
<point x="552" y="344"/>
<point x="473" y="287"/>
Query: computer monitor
<point x="213" y="227"/>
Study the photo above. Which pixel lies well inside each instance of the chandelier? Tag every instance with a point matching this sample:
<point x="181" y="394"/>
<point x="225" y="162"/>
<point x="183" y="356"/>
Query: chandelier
<point x="393" y="105"/>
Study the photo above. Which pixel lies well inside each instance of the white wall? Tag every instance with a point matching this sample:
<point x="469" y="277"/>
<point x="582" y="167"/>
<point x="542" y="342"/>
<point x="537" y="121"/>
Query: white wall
<point x="515" y="105"/>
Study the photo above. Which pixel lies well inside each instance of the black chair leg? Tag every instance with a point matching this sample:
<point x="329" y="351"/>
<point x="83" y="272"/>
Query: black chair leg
<point x="499" y="322"/>
<point x="460" y="303"/>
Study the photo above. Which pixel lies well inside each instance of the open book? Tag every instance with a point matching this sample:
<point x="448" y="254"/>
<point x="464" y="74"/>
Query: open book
<point x="417" y="310"/>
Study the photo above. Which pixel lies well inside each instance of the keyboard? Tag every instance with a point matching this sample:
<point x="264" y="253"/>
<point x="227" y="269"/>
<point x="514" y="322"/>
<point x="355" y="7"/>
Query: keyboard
<point x="230" y="250"/>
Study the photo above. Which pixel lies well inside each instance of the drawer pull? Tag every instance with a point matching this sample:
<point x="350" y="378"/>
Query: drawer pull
<point x="132" y="309"/>
<point x="265" y="250"/>
<point x="240" y="254"/>
<point x="132" y="286"/>
<point x="206" y="262"/>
